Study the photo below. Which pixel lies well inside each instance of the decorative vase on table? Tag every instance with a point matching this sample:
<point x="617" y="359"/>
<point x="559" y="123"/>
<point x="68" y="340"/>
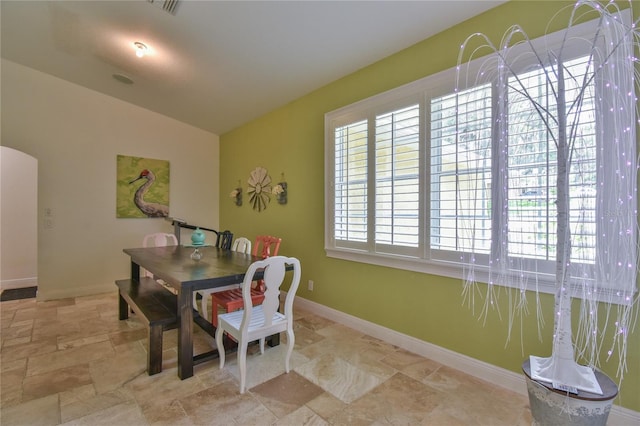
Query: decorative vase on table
<point x="197" y="239"/>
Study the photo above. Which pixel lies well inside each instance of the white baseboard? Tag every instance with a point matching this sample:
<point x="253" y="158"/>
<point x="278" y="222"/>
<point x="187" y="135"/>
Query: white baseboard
<point x="514" y="382"/>
<point x="19" y="283"/>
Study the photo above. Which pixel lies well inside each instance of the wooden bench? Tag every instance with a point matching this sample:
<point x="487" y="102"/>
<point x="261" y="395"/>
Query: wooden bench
<point x="155" y="306"/>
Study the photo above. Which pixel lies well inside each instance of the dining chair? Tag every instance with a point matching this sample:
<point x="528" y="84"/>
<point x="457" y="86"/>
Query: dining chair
<point x="158" y="239"/>
<point x="231" y="300"/>
<point x="224" y="240"/>
<point x="256" y="322"/>
<point x="240" y="244"/>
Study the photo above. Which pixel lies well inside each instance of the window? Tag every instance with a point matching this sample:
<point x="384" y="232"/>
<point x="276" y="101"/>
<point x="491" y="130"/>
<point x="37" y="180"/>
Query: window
<point x="423" y="178"/>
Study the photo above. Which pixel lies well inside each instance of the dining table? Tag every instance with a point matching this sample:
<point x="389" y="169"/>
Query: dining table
<point x="175" y="266"/>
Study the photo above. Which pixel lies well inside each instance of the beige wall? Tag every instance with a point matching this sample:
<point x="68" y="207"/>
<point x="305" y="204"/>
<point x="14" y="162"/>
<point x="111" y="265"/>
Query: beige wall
<point x="76" y="134"/>
<point x="18" y="219"/>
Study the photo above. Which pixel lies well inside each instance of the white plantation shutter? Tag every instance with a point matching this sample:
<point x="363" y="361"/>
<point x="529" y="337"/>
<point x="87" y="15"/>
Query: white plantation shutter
<point x="397" y="151"/>
<point x="532" y="168"/>
<point x="350" y="195"/>
<point x="461" y="171"/>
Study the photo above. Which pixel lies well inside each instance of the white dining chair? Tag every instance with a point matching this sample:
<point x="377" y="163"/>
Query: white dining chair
<point x="158" y="239"/>
<point x="240" y="244"/>
<point x="261" y="321"/>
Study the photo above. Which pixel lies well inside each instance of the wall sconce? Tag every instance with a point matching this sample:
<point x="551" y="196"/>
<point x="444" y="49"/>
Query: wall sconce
<point x="236" y="194"/>
<point x="280" y="191"/>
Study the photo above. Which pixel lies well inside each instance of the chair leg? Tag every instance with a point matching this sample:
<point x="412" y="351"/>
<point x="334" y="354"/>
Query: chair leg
<point x="220" y="346"/>
<point x="203" y="302"/>
<point x="291" y="340"/>
<point x="214" y="313"/>
<point x="242" y="363"/>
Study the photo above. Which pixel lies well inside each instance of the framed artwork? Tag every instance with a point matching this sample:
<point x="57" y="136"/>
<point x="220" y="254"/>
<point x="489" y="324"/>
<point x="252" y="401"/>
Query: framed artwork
<point x="142" y="187"/>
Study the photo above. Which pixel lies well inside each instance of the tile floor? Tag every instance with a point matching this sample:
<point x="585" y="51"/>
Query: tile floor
<point x="73" y="362"/>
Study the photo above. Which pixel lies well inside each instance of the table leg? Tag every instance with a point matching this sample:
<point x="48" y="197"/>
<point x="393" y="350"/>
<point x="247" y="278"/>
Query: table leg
<point x="185" y="333"/>
<point x="135" y="271"/>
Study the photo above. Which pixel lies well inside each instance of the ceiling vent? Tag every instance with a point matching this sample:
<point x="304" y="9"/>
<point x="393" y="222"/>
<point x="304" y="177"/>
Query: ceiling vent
<point x="166" y="5"/>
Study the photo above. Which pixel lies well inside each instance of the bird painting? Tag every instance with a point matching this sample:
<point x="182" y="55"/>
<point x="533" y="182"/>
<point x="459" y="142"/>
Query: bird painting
<point x="150" y="209"/>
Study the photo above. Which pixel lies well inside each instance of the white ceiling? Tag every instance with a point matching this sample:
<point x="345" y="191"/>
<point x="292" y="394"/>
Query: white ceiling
<point x="217" y="64"/>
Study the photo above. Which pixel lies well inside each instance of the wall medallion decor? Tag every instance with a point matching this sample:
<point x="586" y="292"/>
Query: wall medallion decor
<point x="142" y="187"/>
<point x="259" y="188"/>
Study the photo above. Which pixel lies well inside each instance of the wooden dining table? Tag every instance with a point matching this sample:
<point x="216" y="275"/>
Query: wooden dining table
<point x="173" y="265"/>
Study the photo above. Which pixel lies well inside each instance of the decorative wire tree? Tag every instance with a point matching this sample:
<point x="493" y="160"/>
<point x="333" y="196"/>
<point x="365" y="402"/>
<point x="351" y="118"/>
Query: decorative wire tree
<point x="596" y="231"/>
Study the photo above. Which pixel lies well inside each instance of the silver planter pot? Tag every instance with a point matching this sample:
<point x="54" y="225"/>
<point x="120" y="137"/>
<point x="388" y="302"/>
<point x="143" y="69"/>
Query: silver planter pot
<point x="551" y="407"/>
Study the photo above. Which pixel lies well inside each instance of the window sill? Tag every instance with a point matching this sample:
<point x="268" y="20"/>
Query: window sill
<point x="542" y="283"/>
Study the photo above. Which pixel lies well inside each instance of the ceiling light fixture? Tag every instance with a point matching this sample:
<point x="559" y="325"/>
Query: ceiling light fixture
<point x="141" y="49"/>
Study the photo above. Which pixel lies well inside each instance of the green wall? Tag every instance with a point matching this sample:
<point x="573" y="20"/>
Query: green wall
<point x="290" y="140"/>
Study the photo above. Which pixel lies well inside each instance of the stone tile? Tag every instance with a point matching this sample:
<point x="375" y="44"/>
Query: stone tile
<point x="25" y="350"/>
<point x="313" y="322"/>
<point x="402" y="359"/>
<point x="326" y="405"/>
<point x="126" y="413"/>
<point x="17" y="331"/>
<point x="162" y="388"/>
<point x="50" y="383"/>
<point x="218" y="405"/>
<point x="412" y="365"/>
<point x="82" y="404"/>
<point x="345" y="381"/>
<point x="10" y="397"/>
<point x="449" y="379"/>
<point x="68" y="344"/>
<point x="303" y="416"/>
<point x="40" y="364"/>
<point x="16" y="341"/>
<point x="27" y="322"/>
<point x="261" y="368"/>
<point x="36" y="313"/>
<point x="112" y="372"/>
<point x="305" y="336"/>
<point x="42" y="412"/>
<point x="170" y="414"/>
<point x="74" y="395"/>
<point x="399" y="400"/>
<point x="259" y="416"/>
<point x="45" y="329"/>
<point x="340" y="332"/>
<point x="13" y="365"/>
<point x="92" y="366"/>
<point x="131" y="335"/>
<point x="12" y="306"/>
<point x="286" y="393"/>
<point x="11" y="376"/>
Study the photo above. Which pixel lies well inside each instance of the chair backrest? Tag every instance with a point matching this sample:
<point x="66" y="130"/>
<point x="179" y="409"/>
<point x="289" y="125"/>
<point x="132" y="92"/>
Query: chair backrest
<point x="266" y="246"/>
<point x="242" y="244"/>
<point x="274" y="276"/>
<point x="224" y="240"/>
<point x="159" y="239"/>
